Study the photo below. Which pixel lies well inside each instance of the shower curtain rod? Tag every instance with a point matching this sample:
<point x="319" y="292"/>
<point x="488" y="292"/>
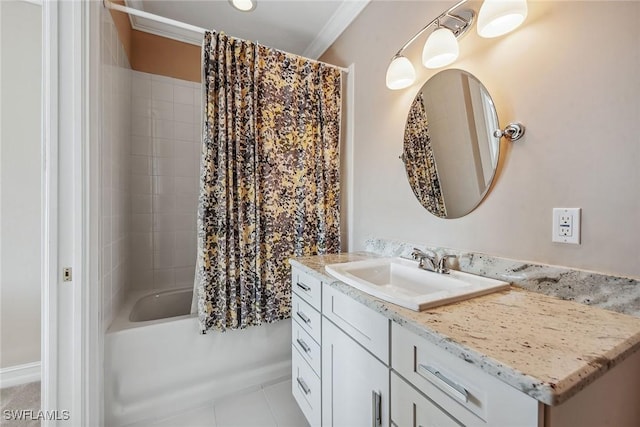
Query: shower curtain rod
<point x="141" y="13"/>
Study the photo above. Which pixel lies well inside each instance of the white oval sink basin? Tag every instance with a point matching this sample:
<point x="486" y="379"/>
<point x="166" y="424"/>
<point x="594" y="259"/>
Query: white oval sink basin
<point x="400" y="281"/>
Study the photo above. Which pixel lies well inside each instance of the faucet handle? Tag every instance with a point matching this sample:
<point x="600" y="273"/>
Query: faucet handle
<point x="419" y="253"/>
<point x="442" y="269"/>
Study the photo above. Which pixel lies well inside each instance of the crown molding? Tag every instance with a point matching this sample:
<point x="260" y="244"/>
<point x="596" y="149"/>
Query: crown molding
<point x="339" y="21"/>
<point x="159" y="29"/>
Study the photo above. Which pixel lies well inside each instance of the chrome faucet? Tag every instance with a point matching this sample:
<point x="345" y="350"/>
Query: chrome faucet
<point x="442" y="264"/>
<point x="429" y="261"/>
<point x="421" y="257"/>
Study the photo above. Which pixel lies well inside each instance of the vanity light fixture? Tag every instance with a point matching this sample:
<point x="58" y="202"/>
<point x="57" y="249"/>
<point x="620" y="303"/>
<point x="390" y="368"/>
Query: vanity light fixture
<point x="400" y="73"/>
<point x="496" y="17"/>
<point x="441" y="48"/>
<point x="244" y="5"/>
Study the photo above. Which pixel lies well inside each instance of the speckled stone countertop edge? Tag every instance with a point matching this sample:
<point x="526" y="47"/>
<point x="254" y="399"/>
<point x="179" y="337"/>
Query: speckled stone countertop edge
<point x="546" y="393"/>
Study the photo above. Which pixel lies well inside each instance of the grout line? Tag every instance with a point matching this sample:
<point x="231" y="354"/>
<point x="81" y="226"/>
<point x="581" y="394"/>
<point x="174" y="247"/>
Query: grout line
<point x="215" y="417"/>
<point x="271" y="410"/>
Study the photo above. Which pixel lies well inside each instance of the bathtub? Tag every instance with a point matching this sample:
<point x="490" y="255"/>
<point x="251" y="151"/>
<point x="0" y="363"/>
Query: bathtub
<point x="157" y="363"/>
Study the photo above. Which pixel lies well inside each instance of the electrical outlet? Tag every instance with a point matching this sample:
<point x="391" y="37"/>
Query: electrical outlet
<point x="566" y="225"/>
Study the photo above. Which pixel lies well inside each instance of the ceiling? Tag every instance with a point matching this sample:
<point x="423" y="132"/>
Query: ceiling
<point x="303" y="27"/>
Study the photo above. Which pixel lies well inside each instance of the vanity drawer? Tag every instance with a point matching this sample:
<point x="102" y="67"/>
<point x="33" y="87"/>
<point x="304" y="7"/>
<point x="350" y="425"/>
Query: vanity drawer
<point x="367" y="327"/>
<point x="307" y="287"/>
<point x="409" y="407"/>
<point x="308" y="348"/>
<point x="462" y="390"/>
<point x="306" y="316"/>
<point x="305" y="387"/>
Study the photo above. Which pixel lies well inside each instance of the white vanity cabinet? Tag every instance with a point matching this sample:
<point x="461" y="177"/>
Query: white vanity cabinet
<point x="340" y="357"/>
<point x="464" y="394"/>
<point x="353" y="367"/>
<point x="431" y="387"/>
<point x="305" y="344"/>
<point x="355" y="356"/>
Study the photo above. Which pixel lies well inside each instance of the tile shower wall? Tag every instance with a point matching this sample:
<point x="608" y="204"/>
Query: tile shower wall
<point x="165" y="153"/>
<point x="115" y="143"/>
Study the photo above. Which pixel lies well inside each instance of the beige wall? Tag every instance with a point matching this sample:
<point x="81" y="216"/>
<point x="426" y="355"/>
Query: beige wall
<point x="20" y="188"/>
<point x="570" y="74"/>
<point x="166" y="57"/>
<point x="123" y="26"/>
<point x="157" y="55"/>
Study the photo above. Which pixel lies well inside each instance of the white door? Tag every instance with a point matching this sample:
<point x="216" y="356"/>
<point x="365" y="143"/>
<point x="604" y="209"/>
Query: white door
<point x="355" y="385"/>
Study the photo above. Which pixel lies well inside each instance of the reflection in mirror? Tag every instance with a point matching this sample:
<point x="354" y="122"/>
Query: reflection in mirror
<point x="450" y="152"/>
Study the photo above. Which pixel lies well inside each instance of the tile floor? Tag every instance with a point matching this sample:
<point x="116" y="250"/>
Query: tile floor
<point x="270" y="406"/>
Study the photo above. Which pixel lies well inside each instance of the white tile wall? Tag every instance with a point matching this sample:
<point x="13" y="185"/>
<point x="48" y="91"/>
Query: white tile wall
<point x="165" y="161"/>
<point x="115" y="160"/>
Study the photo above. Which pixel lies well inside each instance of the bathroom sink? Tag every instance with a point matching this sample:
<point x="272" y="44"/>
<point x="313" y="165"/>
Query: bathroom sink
<point x="401" y="282"/>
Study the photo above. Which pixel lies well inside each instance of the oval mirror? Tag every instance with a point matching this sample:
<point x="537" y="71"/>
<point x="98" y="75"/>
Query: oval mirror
<point x="450" y="150"/>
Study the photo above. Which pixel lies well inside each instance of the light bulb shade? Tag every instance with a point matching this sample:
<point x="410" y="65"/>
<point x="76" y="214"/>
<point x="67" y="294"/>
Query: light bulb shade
<point x="498" y="17"/>
<point x="400" y="73"/>
<point x="244" y="5"/>
<point x="441" y="49"/>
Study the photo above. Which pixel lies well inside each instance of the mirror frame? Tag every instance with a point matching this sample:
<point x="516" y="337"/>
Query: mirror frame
<point x="426" y="187"/>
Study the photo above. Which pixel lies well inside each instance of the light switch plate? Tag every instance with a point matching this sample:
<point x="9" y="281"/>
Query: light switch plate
<point x="566" y="225"/>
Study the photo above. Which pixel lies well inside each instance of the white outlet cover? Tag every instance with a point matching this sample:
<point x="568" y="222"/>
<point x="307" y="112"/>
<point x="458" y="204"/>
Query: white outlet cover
<point x="574" y="234"/>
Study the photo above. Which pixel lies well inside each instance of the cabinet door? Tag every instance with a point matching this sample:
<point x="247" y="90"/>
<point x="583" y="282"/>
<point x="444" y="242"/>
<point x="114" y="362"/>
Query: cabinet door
<point x="355" y="385"/>
<point x="468" y="394"/>
<point x="409" y="408"/>
<point x="368" y="327"/>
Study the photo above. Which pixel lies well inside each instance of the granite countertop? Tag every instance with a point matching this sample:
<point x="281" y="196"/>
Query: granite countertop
<point x="546" y="347"/>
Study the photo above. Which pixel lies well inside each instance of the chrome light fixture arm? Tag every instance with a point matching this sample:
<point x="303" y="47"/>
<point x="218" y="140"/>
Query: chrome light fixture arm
<point x="458" y="32"/>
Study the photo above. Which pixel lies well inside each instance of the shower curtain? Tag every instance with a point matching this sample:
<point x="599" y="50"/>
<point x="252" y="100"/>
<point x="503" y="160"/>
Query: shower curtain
<point x="420" y="164"/>
<point x="269" y="184"/>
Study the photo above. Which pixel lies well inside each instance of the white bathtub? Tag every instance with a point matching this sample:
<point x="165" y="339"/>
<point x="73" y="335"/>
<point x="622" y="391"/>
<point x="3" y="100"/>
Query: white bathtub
<point x="162" y="305"/>
<point x="158" y="367"/>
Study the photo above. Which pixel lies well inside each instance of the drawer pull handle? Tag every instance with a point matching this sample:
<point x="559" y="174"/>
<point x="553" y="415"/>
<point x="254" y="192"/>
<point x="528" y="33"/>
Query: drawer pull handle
<point x="304" y="345"/>
<point x="448" y="385"/>
<point x="303" y="287"/>
<point x="304" y="317"/>
<point x="376" y="409"/>
<point x="305" y="388"/>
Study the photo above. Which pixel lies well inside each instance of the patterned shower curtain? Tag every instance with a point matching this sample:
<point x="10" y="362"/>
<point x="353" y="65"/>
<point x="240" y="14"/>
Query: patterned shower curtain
<point x="419" y="161"/>
<point x="269" y="180"/>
